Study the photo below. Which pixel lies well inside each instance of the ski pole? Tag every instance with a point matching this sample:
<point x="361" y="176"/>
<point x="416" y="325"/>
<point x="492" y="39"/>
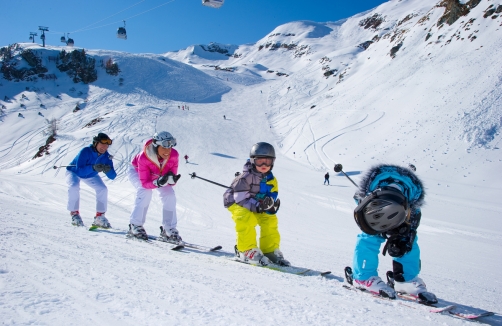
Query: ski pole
<point x="62" y="166"/>
<point x="339" y="168"/>
<point x="193" y="175"/>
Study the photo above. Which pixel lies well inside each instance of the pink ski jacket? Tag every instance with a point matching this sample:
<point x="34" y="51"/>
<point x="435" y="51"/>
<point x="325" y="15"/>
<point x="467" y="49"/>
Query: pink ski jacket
<point x="148" y="166"/>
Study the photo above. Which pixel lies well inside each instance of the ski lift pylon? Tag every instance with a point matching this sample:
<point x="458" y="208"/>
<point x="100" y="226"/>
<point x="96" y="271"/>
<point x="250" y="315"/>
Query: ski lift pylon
<point x="121" y="32"/>
<point x="213" y="3"/>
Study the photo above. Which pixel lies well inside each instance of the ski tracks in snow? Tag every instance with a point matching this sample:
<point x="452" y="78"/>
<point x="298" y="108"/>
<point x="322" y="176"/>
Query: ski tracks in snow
<point x="316" y="143"/>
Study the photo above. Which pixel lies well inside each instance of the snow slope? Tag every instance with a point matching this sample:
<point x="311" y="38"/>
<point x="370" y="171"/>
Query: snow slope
<point x="434" y="105"/>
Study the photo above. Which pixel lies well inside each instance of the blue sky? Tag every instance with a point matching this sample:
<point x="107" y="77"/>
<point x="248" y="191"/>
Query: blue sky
<point x="173" y="25"/>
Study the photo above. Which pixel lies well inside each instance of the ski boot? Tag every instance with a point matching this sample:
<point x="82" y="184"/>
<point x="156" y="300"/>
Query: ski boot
<point x="101" y="221"/>
<point x="137" y="231"/>
<point x="171" y="236"/>
<point x="76" y="219"/>
<point x="374" y="285"/>
<point x="276" y="257"/>
<point x="252" y="256"/>
<point x="414" y="288"/>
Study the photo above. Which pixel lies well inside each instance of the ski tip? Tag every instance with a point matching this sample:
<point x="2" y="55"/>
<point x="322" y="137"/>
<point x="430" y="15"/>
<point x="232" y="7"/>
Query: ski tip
<point x="177" y="247"/>
<point x="470" y="316"/>
<point x="325" y="273"/>
<point x="92" y="228"/>
<point x="442" y="309"/>
<point x="216" y="248"/>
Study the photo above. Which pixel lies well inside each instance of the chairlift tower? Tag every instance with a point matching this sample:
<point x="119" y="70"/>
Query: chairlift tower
<point x="43" y="29"/>
<point x="32" y="36"/>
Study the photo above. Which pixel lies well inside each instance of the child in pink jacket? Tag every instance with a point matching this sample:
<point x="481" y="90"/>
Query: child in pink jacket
<point x="156" y="167"/>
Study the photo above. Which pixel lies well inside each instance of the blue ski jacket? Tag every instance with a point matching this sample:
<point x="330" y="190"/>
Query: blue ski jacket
<point x="86" y="158"/>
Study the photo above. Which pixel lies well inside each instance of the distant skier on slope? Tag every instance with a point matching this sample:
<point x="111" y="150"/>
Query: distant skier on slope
<point x="156" y="167"/>
<point x="326" y="178"/>
<point x="186" y="158"/>
<point x="388" y="211"/>
<point x="252" y="200"/>
<point x="85" y="166"/>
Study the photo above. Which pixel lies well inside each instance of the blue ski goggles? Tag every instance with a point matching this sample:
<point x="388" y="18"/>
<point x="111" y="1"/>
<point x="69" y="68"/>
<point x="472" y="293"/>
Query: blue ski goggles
<point x="168" y="143"/>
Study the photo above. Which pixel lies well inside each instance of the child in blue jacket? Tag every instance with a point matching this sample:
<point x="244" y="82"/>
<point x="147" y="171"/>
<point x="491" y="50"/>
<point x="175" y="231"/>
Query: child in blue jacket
<point x="85" y="166"/>
<point x="389" y="211"/>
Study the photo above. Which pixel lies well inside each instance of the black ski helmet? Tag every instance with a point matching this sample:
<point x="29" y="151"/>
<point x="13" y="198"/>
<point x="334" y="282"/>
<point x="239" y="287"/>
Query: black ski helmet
<point x="262" y="149"/>
<point x="386" y="208"/>
<point x="100" y="138"/>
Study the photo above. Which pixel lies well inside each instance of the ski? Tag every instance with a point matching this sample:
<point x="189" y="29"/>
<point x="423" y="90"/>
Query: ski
<point x="300" y="271"/>
<point x="202" y="248"/>
<point x="449" y="310"/>
<point x="95" y="227"/>
<point x="287" y="269"/>
<point x="187" y="244"/>
<point x="442" y="309"/>
<point x="470" y="316"/>
<point x="172" y="246"/>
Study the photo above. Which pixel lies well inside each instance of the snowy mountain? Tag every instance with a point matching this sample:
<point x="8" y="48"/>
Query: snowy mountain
<point x="407" y="82"/>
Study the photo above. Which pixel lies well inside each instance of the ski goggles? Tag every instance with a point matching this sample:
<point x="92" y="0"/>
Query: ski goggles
<point x="105" y="141"/>
<point x="263" y="161"/>
<point x="168" y="143"/>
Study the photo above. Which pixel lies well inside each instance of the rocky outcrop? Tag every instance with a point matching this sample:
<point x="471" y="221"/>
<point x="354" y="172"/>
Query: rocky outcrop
<point x="454" y="10"/>
<point x="372" y="22"/>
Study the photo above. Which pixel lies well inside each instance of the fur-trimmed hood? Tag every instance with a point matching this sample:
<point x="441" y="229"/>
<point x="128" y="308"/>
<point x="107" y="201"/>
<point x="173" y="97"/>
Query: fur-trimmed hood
<point x="385" y="174"/>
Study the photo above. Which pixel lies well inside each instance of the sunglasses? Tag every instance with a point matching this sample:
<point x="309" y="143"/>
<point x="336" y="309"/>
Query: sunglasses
<point x="105" y="141"/>
<point x="166" y="143"/>
<point x="263" y="161"/>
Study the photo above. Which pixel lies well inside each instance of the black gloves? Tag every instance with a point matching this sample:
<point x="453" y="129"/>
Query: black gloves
<point x="102" y="168"/>
<point x="168" y="178"/>
<point x="173" y="179"/>
<point x="161" y="181"/>
<point x="267" y="205"/>
<point x="398" y="245"/>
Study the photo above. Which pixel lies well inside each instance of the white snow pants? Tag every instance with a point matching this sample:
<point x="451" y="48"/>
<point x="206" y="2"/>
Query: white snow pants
<point x="73" y="182"/>
<point x="143" y="198"/>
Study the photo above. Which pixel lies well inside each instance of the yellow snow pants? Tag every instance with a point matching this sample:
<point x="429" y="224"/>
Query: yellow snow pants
<point x="245" y="223"/>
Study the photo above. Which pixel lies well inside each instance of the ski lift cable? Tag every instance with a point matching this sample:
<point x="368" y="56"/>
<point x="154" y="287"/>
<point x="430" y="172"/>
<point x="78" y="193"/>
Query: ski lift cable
<point x="99" y="21"/>
<point x="120" y="21"/>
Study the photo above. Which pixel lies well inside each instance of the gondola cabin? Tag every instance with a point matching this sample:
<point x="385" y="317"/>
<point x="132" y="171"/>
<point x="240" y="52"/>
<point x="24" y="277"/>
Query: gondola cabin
<point x="213" y="3"/>
<point x="121" y="33"/>
<point x="70" y="42"/>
